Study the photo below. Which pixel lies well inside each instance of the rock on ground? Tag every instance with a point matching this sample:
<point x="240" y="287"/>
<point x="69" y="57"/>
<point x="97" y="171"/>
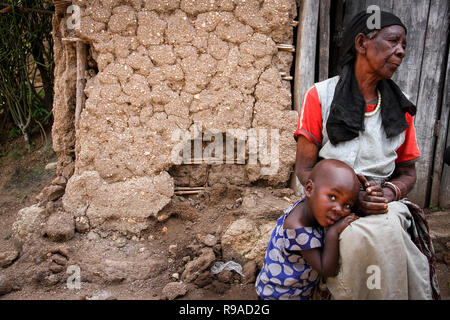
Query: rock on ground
<point x="197" y="266"/>
<point x="173" y="290"/>
<point x="121" y="206"/>
<point x="246" y="240"/>
<point x="8" y="257"/>
<point x="27" y="222"/>
<point x="60" y="227"/>
<point x="6" y="285"/>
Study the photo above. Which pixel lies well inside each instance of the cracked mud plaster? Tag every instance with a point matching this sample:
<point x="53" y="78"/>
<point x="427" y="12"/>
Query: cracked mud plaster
<point x="163" y="65"/>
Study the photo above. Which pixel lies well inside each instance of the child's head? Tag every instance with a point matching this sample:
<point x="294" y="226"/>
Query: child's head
<point x="331" y="191"/>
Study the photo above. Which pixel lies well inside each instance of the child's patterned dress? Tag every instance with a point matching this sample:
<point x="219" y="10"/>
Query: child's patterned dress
<point x="285" y="274"/>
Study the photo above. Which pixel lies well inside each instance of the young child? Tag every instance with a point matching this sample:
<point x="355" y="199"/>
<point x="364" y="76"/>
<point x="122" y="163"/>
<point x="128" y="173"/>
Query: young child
<point x="296" y="254"/>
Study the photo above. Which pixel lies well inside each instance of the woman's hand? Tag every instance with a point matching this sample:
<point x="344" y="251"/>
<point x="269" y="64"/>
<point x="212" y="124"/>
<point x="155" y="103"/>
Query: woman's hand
<point x="372" y="200"/>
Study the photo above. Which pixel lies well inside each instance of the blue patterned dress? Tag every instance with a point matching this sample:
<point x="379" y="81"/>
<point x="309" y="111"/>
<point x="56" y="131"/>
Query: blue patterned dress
<point x="286" y="275"/>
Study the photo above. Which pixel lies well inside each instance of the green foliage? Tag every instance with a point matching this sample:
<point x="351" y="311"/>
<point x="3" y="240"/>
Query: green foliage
<point x="434" y="208"/>
<point x="26" y="65"/>
<point x="14" y="132"/>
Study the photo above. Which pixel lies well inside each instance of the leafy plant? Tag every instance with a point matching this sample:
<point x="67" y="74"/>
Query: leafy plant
<point x="434" y="208"/>
<point x="26" y="64"/>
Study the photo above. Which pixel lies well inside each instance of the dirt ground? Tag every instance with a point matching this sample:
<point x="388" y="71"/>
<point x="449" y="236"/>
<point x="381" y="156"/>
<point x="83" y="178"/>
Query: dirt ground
<point x="23" y="176"/>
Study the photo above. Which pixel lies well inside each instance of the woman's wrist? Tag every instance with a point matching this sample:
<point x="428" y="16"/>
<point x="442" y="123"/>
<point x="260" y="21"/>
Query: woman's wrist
<point x="395" y="189"/>
<point x="389" y="194"/>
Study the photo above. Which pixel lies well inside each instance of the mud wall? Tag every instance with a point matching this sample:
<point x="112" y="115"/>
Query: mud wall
<point x="160" y="66"/>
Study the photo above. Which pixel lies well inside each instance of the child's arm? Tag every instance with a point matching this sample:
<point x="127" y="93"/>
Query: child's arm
<point x="325" y="261"/>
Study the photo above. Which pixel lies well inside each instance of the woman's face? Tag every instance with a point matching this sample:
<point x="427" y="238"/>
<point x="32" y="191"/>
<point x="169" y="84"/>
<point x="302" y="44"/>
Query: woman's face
<point x="386" y="51"/>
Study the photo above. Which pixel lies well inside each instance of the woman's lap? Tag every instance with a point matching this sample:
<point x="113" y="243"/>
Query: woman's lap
<point x="378" y="260"/>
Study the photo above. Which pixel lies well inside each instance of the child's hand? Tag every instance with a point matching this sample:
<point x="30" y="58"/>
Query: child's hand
<point x="344" y="222"/>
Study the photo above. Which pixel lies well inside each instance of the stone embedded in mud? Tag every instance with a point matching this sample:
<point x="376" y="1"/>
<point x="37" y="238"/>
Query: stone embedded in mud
<point x="116" y="271"/>
<point x="121" y="206"/>
<point x="6" y="285"/>
<point x="53" y="192"/>
<point x="82" y="224"/>
<point x="51" y="166"/>
<point x="197" y="266"/>
<point x="27" y="222"/>
<point x="60" y="227"/>
<point x="8" y="257"/>
<point x="173" y="290"/>
<point x="210" y="240"/>
<point x="60" y="181"/>
<point x="246" y="240"/>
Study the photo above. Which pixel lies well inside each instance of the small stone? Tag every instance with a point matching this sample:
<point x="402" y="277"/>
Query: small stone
<point x="51" y="166"/>
<point x="163" y="217"/>
<point x="53" y="192"/>
<point x="186" y="259"/>
<point x="196" y="267"/>
<point x="27" y="222"/>
<point x="82" y="224"/>
<point x="60" y="250"/>
<point x="59" y="260"/>
<point x="53" y="279"/>
<point x="120" y="242"/>
<point x="8" y="257"/>
<point x="5" y="285"/>
<point x="200" y="237"/>
<point x="210" y="240"/>
<point x="60" y="227"/>
<point x="173" y="249"/>
<point x="92" y="236"/>
<point x="176" y="275"/>
<point x="55" y="268"/>
<point x="204" y="279"/>
<point x="173" y="290"/>
<point x="60" y="181"/>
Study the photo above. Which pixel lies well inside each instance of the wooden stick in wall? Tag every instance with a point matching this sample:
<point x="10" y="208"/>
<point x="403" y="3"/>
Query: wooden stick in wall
<point x="286" y="47"/>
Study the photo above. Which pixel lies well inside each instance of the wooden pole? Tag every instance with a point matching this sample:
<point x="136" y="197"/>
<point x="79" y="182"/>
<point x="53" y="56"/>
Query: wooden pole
<point x="304" y="61"/>
<point x="81" y="81"/>
<point x="324" y="38"/>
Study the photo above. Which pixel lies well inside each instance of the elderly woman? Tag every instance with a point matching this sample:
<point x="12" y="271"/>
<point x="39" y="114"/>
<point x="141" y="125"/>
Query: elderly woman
<point x="362" y="118"/>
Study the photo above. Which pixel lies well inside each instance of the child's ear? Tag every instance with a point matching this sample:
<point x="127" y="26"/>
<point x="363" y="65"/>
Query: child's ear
<point x="309" y="188"/>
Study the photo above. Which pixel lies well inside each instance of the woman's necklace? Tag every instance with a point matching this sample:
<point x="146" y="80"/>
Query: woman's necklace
<point x="371" y="113"/>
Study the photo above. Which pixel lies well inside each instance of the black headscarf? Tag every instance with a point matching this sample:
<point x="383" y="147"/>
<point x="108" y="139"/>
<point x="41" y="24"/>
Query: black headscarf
<point x="347" y="109"/>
